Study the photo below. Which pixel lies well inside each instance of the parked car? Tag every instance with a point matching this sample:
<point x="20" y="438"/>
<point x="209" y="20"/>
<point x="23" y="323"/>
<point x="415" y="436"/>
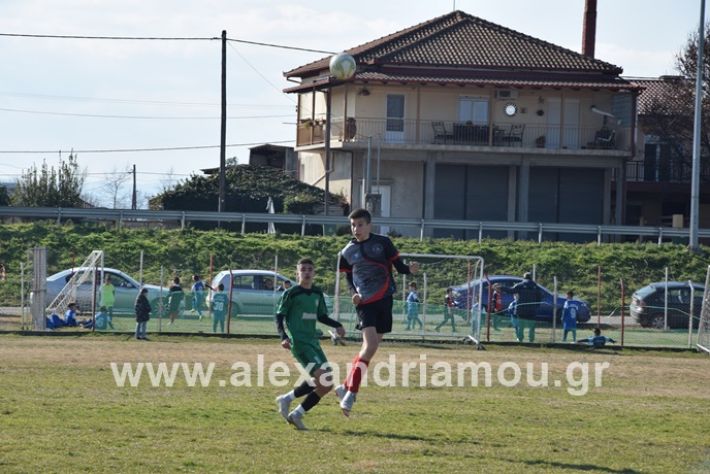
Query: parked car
<point x="647" y="304"/>
<point x="544" y="312"/>
<point x="255" y="291"/>
<point x="126" y="290"/>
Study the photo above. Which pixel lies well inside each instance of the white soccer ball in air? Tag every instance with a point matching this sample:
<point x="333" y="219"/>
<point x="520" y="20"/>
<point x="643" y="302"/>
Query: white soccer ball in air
<point x="342" y="66"/>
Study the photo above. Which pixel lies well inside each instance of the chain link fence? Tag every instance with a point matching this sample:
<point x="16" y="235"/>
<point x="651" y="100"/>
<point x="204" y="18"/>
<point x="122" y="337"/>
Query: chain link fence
<point x="660" y="317"/>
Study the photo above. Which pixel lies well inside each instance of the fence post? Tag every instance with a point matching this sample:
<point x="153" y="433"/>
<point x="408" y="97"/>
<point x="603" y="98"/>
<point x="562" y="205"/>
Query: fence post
<point x="665" y="301"/>
<point x="660" y="235"/>
<point x="539" y="233"/>
<point x="421" y="231"/>
<point x="425" y="299"/>
<point x="480" y="232"/>
<point x="244" y="223"/>
<point x="692" y="312"/>
<point x="623" y="297"/>
<point x="303" y="225"/>
<point x="599" y="235"/>
<point x="161" y="306"/>
<point x="554" y="307"/>
<point x="599" y="296"/>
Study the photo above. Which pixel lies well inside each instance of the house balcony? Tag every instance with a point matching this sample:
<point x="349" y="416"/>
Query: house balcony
<point x="439" y="134"/>
<point x="671" y="171"/>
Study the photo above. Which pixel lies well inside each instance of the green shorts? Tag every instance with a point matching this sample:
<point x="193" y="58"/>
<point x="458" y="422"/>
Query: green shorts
<point x="307" y="354"/>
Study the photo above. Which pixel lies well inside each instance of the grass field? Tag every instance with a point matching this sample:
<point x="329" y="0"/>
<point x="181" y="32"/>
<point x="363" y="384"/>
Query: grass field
<point x="62" y="411"/>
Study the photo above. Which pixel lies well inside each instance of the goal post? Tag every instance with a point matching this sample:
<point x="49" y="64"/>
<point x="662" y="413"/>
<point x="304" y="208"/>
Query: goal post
<point x="436" y="273"/>
<point x="703" y="343"/>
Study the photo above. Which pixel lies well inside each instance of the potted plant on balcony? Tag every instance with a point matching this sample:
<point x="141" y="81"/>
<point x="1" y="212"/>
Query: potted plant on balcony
<point x="540" y="141"/>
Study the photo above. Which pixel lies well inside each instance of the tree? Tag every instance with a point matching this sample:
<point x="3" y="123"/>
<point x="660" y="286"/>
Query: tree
<point x="49" y="187"/>
<point x="670" y="113"/>
<point x="114" y="186"/>
<point x="4" y="196"/>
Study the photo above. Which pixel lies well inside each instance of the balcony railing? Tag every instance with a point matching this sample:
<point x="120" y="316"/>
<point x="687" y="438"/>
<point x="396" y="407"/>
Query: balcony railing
<point x="672" y="171"/>
<point x="451" y="133"/>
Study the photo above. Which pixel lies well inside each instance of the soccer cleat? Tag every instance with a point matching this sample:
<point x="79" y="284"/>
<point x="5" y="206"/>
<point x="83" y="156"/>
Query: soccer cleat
<point x="283" y="405"/>
<point x="296" y="419"/>
<point x="347" y="402"/>
<point x="340" y="392"/>
<point x="335" y="339"/>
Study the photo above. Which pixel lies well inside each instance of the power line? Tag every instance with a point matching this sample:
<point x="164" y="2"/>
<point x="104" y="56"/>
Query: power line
<point x="167" y="38"/>
<point x="281" y="46"/>
<point x="132" y="101"/>
<point x="130" y="38"/>
<point x="140" y="117"/>
<point x="132" y="150"/>
<point x="258" y="72"/>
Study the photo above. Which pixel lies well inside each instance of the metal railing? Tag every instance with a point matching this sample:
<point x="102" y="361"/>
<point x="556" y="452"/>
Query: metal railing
<point x="673" y="171"/>
<point x="423" y="226"/>
<point x="442" y="132"/>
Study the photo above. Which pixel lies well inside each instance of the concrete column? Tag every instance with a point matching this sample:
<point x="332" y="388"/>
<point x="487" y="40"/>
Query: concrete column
<point x="620" y="198"/>
<point x="523" y="192"/>
<point x="606" y="205"/>
<point x="429" y="189"/>
<point x="512" y="195"/>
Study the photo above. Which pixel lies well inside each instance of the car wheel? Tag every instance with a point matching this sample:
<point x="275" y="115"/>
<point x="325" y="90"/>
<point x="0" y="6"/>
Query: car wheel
<point x="656" y="321"/>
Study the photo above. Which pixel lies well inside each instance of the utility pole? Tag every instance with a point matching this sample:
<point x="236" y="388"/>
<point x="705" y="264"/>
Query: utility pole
<point x="327" y="151"/>
<point x="223" y="123"/>
<point x="695" y="178"/>
<point x="134" y="200"/>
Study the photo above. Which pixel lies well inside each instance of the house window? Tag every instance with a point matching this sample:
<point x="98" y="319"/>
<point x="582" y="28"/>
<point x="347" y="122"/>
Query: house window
<point x="395" y="113"/>
<point x="473" y="109"/>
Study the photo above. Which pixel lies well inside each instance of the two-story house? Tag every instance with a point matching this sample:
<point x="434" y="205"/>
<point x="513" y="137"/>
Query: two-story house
<point x="658" y="178"/>
<point x="460" y="118"/>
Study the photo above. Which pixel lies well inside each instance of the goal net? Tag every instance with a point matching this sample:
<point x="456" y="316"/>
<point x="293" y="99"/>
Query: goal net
<point x="420" y="310"/>
<point x="81" y="286"/>
<point x="704" y="324"/>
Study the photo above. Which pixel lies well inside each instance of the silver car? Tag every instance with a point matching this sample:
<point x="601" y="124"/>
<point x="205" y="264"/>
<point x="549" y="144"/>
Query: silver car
<point x="255" y="291"/>
<point x="126" y="290"/>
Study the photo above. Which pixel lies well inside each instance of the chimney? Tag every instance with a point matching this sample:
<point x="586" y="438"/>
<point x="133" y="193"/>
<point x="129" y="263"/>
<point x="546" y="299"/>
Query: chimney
<point x="589" y="28"/>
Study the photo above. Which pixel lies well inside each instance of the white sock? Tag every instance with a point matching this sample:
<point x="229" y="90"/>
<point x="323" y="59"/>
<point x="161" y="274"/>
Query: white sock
<point x="299" y="410"/>
<point x="290" y="396"/>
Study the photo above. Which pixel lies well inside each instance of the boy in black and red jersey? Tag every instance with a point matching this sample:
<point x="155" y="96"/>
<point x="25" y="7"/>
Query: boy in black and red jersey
<point x="367" y="261"/>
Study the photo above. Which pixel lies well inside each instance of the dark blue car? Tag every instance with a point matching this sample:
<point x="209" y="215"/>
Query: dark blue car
<point x="544" y="312"/>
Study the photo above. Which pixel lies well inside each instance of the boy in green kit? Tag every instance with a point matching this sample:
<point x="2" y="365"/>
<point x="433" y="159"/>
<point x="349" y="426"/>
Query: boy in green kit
<point x="300" y="307"/>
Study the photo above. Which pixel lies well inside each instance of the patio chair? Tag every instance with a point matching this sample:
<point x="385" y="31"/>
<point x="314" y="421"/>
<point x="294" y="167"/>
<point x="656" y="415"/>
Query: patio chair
<point x="514" y="135"/>
<point x="441" y="135"/>
<point x="605" y="138"/>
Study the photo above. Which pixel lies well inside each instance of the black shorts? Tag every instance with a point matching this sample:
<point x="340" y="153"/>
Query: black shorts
<point x="377" y="314"/>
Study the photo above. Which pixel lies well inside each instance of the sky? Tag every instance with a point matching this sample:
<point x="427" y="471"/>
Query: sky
<point x="62" y="94"/>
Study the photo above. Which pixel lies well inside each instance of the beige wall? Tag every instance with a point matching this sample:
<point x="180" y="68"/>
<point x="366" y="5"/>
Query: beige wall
<point x="441" y="103"/>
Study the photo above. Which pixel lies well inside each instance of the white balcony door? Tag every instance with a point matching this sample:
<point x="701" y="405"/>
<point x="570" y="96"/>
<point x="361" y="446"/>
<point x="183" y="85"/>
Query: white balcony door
<point x="474" y="110"/>
<point x="385" y="192"/>
<point x="394" y="128"/>
<point x="570" y="136"/>
<point x="554" y="122"/>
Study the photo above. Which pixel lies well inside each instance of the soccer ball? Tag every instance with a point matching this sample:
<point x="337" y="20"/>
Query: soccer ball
<point x="342" y="66"/>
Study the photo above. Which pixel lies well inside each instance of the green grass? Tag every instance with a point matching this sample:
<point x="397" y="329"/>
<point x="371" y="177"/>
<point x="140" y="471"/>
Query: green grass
<point x="62" y="412"/>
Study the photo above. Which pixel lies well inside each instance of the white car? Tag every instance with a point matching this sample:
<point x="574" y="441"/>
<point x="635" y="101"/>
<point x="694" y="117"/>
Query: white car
<point x="126" y="290"/>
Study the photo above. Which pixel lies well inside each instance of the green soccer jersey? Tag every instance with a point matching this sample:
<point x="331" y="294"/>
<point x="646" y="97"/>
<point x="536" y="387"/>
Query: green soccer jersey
<point x="301" y="308"/>
<point x="220" y="303"/>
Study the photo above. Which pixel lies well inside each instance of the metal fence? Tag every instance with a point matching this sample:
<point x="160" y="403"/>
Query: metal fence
<point x="329" y="224"/>
<point x="195" y="315"/>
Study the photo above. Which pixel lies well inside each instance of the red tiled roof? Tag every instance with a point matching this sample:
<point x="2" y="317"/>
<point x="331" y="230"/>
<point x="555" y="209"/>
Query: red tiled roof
<point x="460" y="40"/>
<point x="482" y="78"/>
<point x="666" y="94"/>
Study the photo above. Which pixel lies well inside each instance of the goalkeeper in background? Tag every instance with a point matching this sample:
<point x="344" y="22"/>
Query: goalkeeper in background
<point x="300" y="307"/>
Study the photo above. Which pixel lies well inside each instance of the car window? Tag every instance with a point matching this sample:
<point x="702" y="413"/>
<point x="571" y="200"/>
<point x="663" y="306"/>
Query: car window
<point x="245" y="282"/>
<point x="265" y="282"/>
<point x="120" y="282"/>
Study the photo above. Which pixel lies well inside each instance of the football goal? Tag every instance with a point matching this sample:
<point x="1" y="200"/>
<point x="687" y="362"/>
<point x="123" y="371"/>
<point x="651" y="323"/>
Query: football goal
<point x="704" y="325"/>
<point x="425" y="313"/>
